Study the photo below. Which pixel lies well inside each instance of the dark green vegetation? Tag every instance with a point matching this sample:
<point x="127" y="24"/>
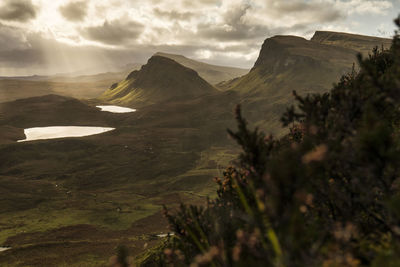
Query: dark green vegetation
<point x="325" y="194"/>
<point x="72" y="201"/>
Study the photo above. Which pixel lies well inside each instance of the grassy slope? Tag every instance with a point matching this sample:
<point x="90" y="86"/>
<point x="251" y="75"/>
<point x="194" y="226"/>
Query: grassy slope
<point x="162" y="154"/>
<point x="288" y="63"/>
<point x="161" y="79"/>
<point x="211" y="73"/>
<point x="360" y="43"/>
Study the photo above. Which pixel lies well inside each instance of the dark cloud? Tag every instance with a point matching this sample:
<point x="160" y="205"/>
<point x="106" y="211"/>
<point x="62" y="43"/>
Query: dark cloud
<point x="199" y="3"/>
<point x="34" y="54"/>
<point x="315" y="11"/>
<point x="114" y="32"/>
<point x="173" y="15"/>
<point x="11" y="38"/>
<point x="282" y="6"/>
<point x="236" y="27"/>
<point x="233" y="27"/>
<point x="74" y="11"/>
<point x="224" y="32"/>
<point x="17" y="10"/>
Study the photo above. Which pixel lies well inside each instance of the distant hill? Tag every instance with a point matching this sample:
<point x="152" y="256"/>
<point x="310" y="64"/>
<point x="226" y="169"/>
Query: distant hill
<point x="50" y="110"/>
<point x="83" y="86"/>
<point x="211" y="73"/>
<point x="288" y="63"/>
<point x="161" y="79"/>
<point x="12" y="89"/>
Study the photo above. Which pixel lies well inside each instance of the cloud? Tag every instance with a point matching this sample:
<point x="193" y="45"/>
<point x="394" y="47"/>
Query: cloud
<point x="114" y="33"/>
<point x="256" y="20"/>
<point x="17" y="10"/>
<point x="200" y="3"/>
<point x="233" y="26"/>
<point x="310" y="11"/>
<point x="74" y="11"/>
<point x="12" y="38"/>
<point x="173" y="15"/>
<point x="35" y="54"/>
<point x="218" y="31"/>
<point x="380" y="7"/>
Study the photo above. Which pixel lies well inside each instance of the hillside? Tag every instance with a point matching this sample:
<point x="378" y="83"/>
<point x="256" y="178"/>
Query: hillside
<point x="288" y="63"/>
<point x="95" y="191"/>
<point x="360" y="43"/>
<point x="161" y="79"/>
<point x="50" y="110"/>
<point x="211" y="73"/>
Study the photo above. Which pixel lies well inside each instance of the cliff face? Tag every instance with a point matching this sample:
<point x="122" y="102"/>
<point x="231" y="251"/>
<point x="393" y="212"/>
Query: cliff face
<point x="161" y="79"/>
<point x="288" y="63"/>
<point x="273" y="54"/>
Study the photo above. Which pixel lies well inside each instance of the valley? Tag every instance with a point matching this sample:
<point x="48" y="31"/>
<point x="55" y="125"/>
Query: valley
<point x="107" y="181"/>
<point x="72" y="201"/>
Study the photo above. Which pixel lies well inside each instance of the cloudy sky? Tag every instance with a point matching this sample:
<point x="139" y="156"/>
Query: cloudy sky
<point x="57" y="36"/>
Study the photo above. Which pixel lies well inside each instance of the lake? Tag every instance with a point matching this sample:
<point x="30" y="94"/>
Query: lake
<point x="51" y="132"/>
<point x="116" y="109"/>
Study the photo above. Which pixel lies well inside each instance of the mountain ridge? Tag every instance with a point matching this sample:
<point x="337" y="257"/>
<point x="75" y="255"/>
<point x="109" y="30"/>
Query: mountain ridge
<point x="213" y="74"/>
<point x="360" y="43"/>
<point x="161" y="79"/>
<point x="286" y="63"/>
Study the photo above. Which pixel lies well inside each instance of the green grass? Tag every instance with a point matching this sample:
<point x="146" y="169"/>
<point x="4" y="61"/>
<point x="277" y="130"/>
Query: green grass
<point x="112" y="214"/>
<point x="108" y="181"/>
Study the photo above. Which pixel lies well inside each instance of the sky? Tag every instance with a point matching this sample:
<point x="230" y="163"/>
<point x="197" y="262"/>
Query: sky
<point x="87" y="36"/>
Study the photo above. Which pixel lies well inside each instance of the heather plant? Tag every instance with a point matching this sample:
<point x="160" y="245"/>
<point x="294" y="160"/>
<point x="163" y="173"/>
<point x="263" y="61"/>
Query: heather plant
<point x="326" y="194"/>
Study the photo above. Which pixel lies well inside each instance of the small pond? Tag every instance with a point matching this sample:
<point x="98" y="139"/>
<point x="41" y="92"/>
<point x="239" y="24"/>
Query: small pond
<point x="52" y="132"/>
<point x="116" y="109"/>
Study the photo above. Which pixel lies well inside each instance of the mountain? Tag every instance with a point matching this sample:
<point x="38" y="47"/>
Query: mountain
<point x="161" y="79"/>
<point x="288" y="63"/>
<point x="211" y="73"/>
<point x="360" y="43"/>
